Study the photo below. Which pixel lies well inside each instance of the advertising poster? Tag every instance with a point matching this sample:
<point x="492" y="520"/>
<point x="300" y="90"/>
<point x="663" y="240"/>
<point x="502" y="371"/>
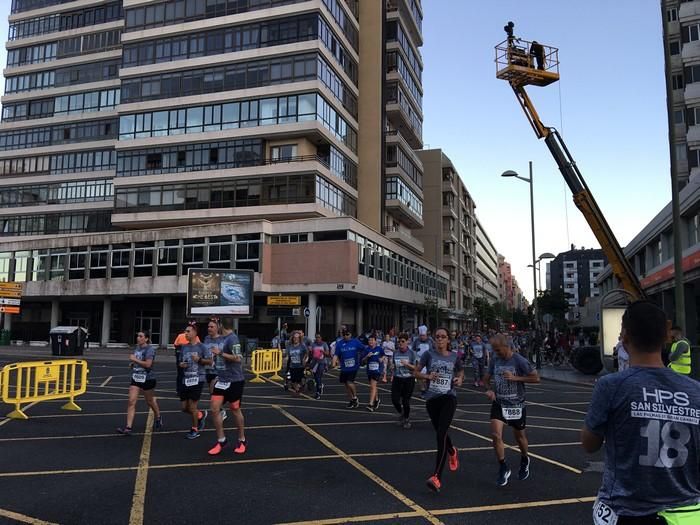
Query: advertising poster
<point x="220" y="292"/>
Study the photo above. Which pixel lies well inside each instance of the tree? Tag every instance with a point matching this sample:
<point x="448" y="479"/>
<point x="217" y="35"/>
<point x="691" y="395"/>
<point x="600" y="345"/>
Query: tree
<point x="553" y="302"/>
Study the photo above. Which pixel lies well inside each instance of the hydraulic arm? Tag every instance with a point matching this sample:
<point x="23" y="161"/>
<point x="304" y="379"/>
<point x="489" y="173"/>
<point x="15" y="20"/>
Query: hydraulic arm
<point x="516" y="66"/>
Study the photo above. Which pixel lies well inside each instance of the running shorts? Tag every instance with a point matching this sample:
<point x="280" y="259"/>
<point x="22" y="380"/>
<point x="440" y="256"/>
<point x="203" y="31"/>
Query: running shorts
<point x="231" y="394"/>
<point x="497" y="413"/>
<point x="348" y="377"/>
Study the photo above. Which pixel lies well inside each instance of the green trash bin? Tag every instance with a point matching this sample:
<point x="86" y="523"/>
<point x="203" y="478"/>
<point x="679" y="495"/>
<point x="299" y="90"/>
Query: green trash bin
<point x="4" y="337"/>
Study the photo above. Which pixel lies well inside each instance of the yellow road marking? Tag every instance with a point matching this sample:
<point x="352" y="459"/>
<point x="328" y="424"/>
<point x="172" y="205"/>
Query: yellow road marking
<point x="104" y="383"/>
<point x="511" y="447"/>
<point x="22" y="518"/>
<point x="371" y="475"/>
<point x="514" y="506"/>
<point x="137" y="502"/>
<point x="444" y="512"/>
<point x="356" y="519"/>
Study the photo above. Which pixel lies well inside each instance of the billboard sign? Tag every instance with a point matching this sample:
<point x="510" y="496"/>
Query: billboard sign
<point x="219" y="292"/>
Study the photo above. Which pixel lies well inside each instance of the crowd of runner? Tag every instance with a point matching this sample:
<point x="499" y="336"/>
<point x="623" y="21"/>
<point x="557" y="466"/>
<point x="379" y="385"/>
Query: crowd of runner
<point x="651" y="478"/>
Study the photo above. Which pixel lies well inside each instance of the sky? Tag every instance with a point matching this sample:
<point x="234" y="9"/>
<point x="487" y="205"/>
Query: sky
<point x="609" y="106"/>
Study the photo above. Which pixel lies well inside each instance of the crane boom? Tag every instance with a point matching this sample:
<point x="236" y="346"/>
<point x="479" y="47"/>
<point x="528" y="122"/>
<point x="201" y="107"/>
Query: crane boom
<point x="515" y="65"/>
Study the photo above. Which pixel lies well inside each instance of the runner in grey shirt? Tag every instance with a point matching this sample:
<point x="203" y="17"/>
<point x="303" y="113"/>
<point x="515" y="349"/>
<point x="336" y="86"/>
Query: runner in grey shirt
<point x="194" y="357"/>
<point x="649" y="419"/>
<point x="143" y="380"/>
<point x="444" y="373"/>
<point x="228" y="388"/>
<point x="510" y="372"/>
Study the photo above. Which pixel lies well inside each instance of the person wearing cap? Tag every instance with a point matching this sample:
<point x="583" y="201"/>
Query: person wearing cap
<point x="348" y="353"/>
<point x="422" y="344"/>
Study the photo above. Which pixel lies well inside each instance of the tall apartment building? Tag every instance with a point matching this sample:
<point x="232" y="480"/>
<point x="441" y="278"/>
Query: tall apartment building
<point x="449" y="234"/>
<point x="144" y="138"/>
<point x="682" y="40"/>
<point x="486" y="266"/>
<point x="576" y="272"/>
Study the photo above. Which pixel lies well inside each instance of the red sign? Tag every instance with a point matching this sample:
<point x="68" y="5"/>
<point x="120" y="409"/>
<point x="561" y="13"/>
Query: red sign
<point x="690" y="262"/>
<point x="9" y="309"/>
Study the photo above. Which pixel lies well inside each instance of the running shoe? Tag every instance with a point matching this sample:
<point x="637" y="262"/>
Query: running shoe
<point x="370" y="408"/>
<point x="407" y="424"/>
<point x="503" y="475"/>
<point x="217" y="448"/>
<point x="158" y="425"/>
<point x="351" y="403"/>
<point x="454" y="460"/>
<point x="202" y="420"/>
<point x="124" y="431"/>
<point x="377" y="403"/>
<point x="524" y="471"/>
<point x="317" y="396"/>
<point x="476" y="383"/>
<point x="422" y="394"/>
<point x="224" y="415"/>
<point x="355" y="403"/>
<point x="241" y="447"/>
<point x="400" y="420"/>
<point x="192" y="434"/>
<point x="434" y="483"/>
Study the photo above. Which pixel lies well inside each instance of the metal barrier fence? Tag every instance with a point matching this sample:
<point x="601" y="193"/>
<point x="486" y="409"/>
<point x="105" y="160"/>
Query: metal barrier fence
<point x="35" y="381"/>
<point x="265" y="361"/>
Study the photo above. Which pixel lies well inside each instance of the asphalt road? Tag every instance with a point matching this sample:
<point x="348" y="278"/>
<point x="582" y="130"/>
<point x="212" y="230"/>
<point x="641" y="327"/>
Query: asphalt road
<point x="308" y="461"/>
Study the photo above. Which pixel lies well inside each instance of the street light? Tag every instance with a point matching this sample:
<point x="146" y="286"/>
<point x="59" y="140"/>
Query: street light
<point x="511" y="173"/>
<point x="545" y="255"/>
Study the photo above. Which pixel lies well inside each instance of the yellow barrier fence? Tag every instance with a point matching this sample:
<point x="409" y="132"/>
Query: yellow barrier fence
<point x="265" y="361"/>
<point x="35" y="381"/>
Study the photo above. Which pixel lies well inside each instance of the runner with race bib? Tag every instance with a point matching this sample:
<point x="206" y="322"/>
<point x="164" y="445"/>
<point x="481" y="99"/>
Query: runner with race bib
<point x="143" y="380"/>
<point x="348" y="352"/>
<point x="510" y="372"/>
<point x="228" y="388"/>
<point x="648" y="417"/>
<point x="374" y="359"/>
<point x="194" y="357"/>
<point x="443" y="371"/>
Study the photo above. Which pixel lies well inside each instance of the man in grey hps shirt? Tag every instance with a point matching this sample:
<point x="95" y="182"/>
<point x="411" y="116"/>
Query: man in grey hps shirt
<point x="648" y="416"/>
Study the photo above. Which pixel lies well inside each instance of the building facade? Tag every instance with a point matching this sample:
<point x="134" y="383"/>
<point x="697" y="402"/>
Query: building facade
<point x="142" y="139"/>
<point x="486" y="266"/>
<point x="651" y="255"/>
<point x="449" y="234"/>
<point x="682" y="41"/>
<point x="575" y="272"/>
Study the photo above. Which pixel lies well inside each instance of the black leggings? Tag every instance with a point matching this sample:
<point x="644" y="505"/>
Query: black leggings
<point x="441" y="411"/>
<point x="401" y="392"/>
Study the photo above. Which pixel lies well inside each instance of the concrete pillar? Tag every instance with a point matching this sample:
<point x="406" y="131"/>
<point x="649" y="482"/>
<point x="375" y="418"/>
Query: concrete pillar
<point x="55" y="312"/>
<point x="106" y="320"/>
<point x="7" y="323"/>
<point x="235" y="325"/>
<point x="165" y="317"/>
<point x="359" y="315"/>
<point x="313" y="303"/>
<point x="338" y="311"/>
<point x="397" y="318"/>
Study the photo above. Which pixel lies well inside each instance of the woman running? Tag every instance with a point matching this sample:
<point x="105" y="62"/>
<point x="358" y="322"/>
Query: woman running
<point x="373" y="359"/>
<point x="143" y="381"/>
<point x="444" y="372"/>
<point x="296" y="360"/>
<point x="403" y="364"/>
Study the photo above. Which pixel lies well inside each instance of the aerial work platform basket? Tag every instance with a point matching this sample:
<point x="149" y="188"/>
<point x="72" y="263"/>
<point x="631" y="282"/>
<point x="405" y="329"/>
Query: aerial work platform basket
<point x="517" y="62"/>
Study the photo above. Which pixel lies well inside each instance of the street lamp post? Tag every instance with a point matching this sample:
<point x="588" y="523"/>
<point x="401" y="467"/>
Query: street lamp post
<point x="511" y="173"/>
